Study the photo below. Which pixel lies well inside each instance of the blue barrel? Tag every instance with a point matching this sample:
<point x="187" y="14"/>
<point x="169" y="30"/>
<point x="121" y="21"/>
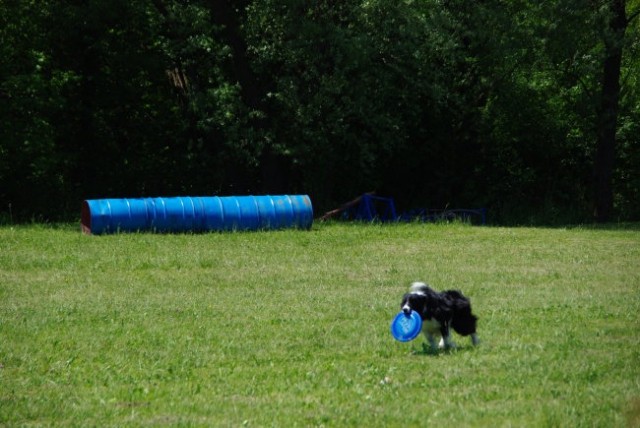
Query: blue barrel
<point x="196" y="214"/>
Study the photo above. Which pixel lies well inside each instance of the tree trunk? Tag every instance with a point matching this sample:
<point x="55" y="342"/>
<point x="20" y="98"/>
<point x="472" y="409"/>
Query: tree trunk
<point x="228" y="14"/>
<point x="608" y="113"/>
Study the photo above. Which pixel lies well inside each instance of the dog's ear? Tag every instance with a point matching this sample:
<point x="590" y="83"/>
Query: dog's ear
<point x="404" y="300"/>
<point x="423" y="304"/>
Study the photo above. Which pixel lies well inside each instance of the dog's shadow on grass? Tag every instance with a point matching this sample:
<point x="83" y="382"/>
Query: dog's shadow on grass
<point x="427" y="351"/>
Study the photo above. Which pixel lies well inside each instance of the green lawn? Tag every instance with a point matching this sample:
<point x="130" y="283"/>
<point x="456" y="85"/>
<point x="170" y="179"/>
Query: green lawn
<point x="291" y="328"/>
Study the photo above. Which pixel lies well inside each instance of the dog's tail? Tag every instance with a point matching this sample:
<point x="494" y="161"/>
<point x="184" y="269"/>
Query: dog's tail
<point x="463" y="322"/>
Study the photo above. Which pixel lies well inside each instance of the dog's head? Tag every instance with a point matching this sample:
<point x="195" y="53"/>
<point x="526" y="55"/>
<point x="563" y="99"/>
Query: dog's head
<point x="414" y="302"/>
<point x="417" y="298"/>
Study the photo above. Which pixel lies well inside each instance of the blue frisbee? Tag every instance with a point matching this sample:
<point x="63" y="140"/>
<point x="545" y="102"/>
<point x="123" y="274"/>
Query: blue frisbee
<point x="406" y="327"/>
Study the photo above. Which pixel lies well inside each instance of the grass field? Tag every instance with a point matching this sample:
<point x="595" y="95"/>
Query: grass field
<point x="291" y="328"/>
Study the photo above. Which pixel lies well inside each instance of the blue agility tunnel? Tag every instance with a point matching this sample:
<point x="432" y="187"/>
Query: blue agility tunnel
<point x="196" y="214"/>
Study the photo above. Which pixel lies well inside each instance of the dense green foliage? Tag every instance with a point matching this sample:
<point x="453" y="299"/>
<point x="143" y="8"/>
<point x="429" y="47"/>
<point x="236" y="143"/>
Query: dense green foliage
<point x="508" y="105"/>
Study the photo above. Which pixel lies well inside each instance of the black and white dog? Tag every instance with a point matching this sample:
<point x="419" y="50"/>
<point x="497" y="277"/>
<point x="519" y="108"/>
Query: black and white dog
<point x="441" y="312"/>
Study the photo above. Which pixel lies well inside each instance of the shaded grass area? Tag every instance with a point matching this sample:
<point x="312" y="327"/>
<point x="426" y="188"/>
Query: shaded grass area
<point x="291" y="328"/>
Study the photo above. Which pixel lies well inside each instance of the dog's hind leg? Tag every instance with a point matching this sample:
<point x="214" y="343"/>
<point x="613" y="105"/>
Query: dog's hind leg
<point x="474" y="339"/>
<point x="446" y="337"/>
<point x="448" y="343"/>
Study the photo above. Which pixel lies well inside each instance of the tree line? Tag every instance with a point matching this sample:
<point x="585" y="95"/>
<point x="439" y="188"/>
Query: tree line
<point x="528" y="108"/>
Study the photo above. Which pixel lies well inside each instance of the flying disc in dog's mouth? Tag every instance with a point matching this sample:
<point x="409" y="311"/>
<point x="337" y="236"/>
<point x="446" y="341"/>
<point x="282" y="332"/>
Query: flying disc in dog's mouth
<point x="406" y="327"/>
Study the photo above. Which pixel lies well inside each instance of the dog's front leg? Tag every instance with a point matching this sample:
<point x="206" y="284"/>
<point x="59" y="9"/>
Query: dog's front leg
<point x="431" y="340"/>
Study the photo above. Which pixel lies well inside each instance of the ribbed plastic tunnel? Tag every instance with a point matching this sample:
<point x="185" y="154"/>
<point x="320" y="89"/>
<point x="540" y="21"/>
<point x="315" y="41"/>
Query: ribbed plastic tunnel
<point x="196" y="214"/>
